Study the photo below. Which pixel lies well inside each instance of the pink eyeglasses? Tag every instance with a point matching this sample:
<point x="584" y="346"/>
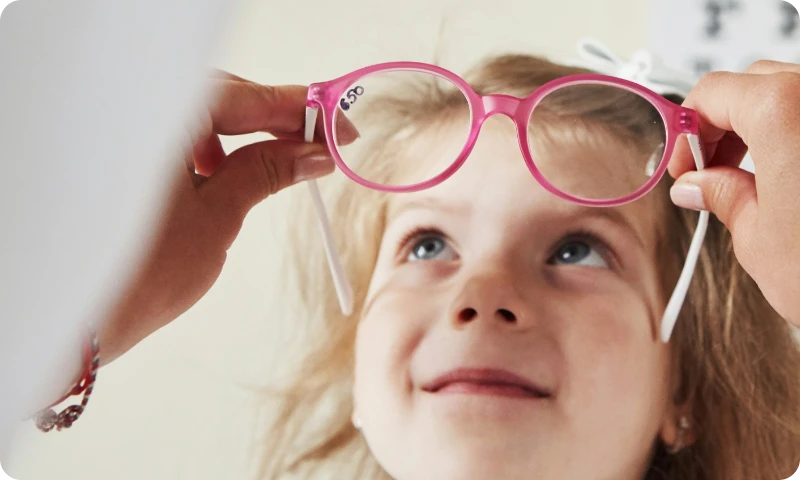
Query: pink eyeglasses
<point x="591" y="139"/>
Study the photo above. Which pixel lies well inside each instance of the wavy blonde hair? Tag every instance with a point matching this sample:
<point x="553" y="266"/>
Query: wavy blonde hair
<point x="737" y="360"/>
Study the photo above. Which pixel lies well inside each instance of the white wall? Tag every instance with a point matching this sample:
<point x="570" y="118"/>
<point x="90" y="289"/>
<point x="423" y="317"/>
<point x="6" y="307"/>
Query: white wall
<point x="170" y="408"/>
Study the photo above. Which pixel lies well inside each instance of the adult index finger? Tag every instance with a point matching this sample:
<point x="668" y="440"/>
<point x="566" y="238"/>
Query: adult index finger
<point x="246" y="107"/>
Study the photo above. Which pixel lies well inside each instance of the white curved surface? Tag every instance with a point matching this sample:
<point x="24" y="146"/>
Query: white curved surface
<point x="89" y="112"/>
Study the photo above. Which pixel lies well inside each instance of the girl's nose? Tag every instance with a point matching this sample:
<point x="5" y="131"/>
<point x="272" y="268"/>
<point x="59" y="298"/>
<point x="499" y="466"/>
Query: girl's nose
<point x="490" y="297"/>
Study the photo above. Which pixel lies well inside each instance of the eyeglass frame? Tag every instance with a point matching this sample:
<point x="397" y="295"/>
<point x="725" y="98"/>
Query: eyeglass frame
<point x="676" y="118"/>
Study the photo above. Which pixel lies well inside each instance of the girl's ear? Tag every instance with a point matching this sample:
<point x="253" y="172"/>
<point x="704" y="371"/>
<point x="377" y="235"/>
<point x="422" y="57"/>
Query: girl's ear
<point x="678" y="431"/>
<point x="355" y="419"/>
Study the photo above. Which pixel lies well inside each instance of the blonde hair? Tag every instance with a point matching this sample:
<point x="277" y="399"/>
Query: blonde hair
<point x="737" y="361"/>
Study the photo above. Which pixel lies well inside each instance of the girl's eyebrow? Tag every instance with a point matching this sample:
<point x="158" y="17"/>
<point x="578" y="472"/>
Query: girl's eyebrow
<point x="426" y="203"/>
<point x="614" y="215"/>
<point x="573" y="212"/>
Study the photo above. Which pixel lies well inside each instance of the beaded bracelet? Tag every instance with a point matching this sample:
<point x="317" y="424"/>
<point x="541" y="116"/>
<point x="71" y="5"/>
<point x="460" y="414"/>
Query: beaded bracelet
<point x="48" y="418"/>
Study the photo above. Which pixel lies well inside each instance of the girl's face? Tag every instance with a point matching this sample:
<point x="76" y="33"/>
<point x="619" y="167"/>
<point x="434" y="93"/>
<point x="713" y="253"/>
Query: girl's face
<point x="543" y="313"/>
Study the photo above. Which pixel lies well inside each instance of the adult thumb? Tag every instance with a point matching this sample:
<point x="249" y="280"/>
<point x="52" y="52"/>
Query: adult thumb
<point x="254" y="172"/>
<point x="727" y="192"/>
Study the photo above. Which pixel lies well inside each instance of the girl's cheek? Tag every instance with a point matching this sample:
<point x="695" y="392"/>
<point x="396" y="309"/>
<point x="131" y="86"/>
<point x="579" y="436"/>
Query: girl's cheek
<point x="609" y="346"/>
<point x="397" y="316"/>
<point x="388" y="337"/>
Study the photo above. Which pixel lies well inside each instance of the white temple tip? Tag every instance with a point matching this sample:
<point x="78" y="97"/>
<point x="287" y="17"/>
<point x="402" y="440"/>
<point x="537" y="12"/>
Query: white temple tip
<point x="666" y="333"/>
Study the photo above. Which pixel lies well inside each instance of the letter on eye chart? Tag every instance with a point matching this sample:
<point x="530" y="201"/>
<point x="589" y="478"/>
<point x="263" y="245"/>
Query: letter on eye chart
<point x="703" y="66"/>
<point x="715" y="12"/>
<point x="791" y="19"/>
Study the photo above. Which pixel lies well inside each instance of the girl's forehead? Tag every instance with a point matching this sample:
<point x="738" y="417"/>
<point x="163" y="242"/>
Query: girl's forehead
<point x="584" y="161"/>
<point x="428" y="150"/>
<point x="435" y="144"/>
<point x="496" y="179"/>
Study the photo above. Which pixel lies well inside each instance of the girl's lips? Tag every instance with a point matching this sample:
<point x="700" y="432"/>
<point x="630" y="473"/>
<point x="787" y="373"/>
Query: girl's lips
<point x="485" y="381"/>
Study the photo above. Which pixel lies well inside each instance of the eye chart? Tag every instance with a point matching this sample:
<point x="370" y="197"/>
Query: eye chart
<point x="704" y="35"/>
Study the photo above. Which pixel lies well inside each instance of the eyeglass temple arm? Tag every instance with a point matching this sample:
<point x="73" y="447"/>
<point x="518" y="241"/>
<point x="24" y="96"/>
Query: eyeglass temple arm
<point x="344" y="290"/>
<point x="679" y="294"/>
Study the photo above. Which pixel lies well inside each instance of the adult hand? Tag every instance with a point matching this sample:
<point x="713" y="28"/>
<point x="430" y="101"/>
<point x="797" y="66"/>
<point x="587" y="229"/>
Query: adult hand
<point x="208" y="203"/>
<point x="759" y="110"/>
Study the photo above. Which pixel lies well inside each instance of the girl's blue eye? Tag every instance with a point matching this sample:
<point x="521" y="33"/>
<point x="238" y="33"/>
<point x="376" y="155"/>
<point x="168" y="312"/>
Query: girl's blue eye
<point x="576" y="252"/>
<point x="430" y="248"/>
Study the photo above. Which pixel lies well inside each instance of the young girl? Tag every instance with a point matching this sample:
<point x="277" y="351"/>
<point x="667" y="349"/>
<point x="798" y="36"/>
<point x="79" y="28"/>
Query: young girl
<point x="499" y="331"/>
<point x="503" y="333"/>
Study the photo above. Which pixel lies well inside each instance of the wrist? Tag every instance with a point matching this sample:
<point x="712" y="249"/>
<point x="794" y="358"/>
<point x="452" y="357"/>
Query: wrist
<point x="127" y="324"/>
<point x="48" y="419"/>
<point x="116" y="336"/>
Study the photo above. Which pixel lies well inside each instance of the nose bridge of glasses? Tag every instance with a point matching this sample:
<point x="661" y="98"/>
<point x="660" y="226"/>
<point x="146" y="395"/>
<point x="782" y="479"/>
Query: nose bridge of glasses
<point x="501" y="104"/>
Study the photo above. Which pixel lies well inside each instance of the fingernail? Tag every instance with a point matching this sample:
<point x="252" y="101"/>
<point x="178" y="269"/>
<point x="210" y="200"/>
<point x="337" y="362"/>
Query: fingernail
<point x="346" y="132"/>
<point x="687" y="195"/>
<point x="312" y="166"/>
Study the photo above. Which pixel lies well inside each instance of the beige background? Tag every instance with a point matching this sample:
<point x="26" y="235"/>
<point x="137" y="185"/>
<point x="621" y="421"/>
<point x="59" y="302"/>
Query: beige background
<point x="171" y="408"/>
